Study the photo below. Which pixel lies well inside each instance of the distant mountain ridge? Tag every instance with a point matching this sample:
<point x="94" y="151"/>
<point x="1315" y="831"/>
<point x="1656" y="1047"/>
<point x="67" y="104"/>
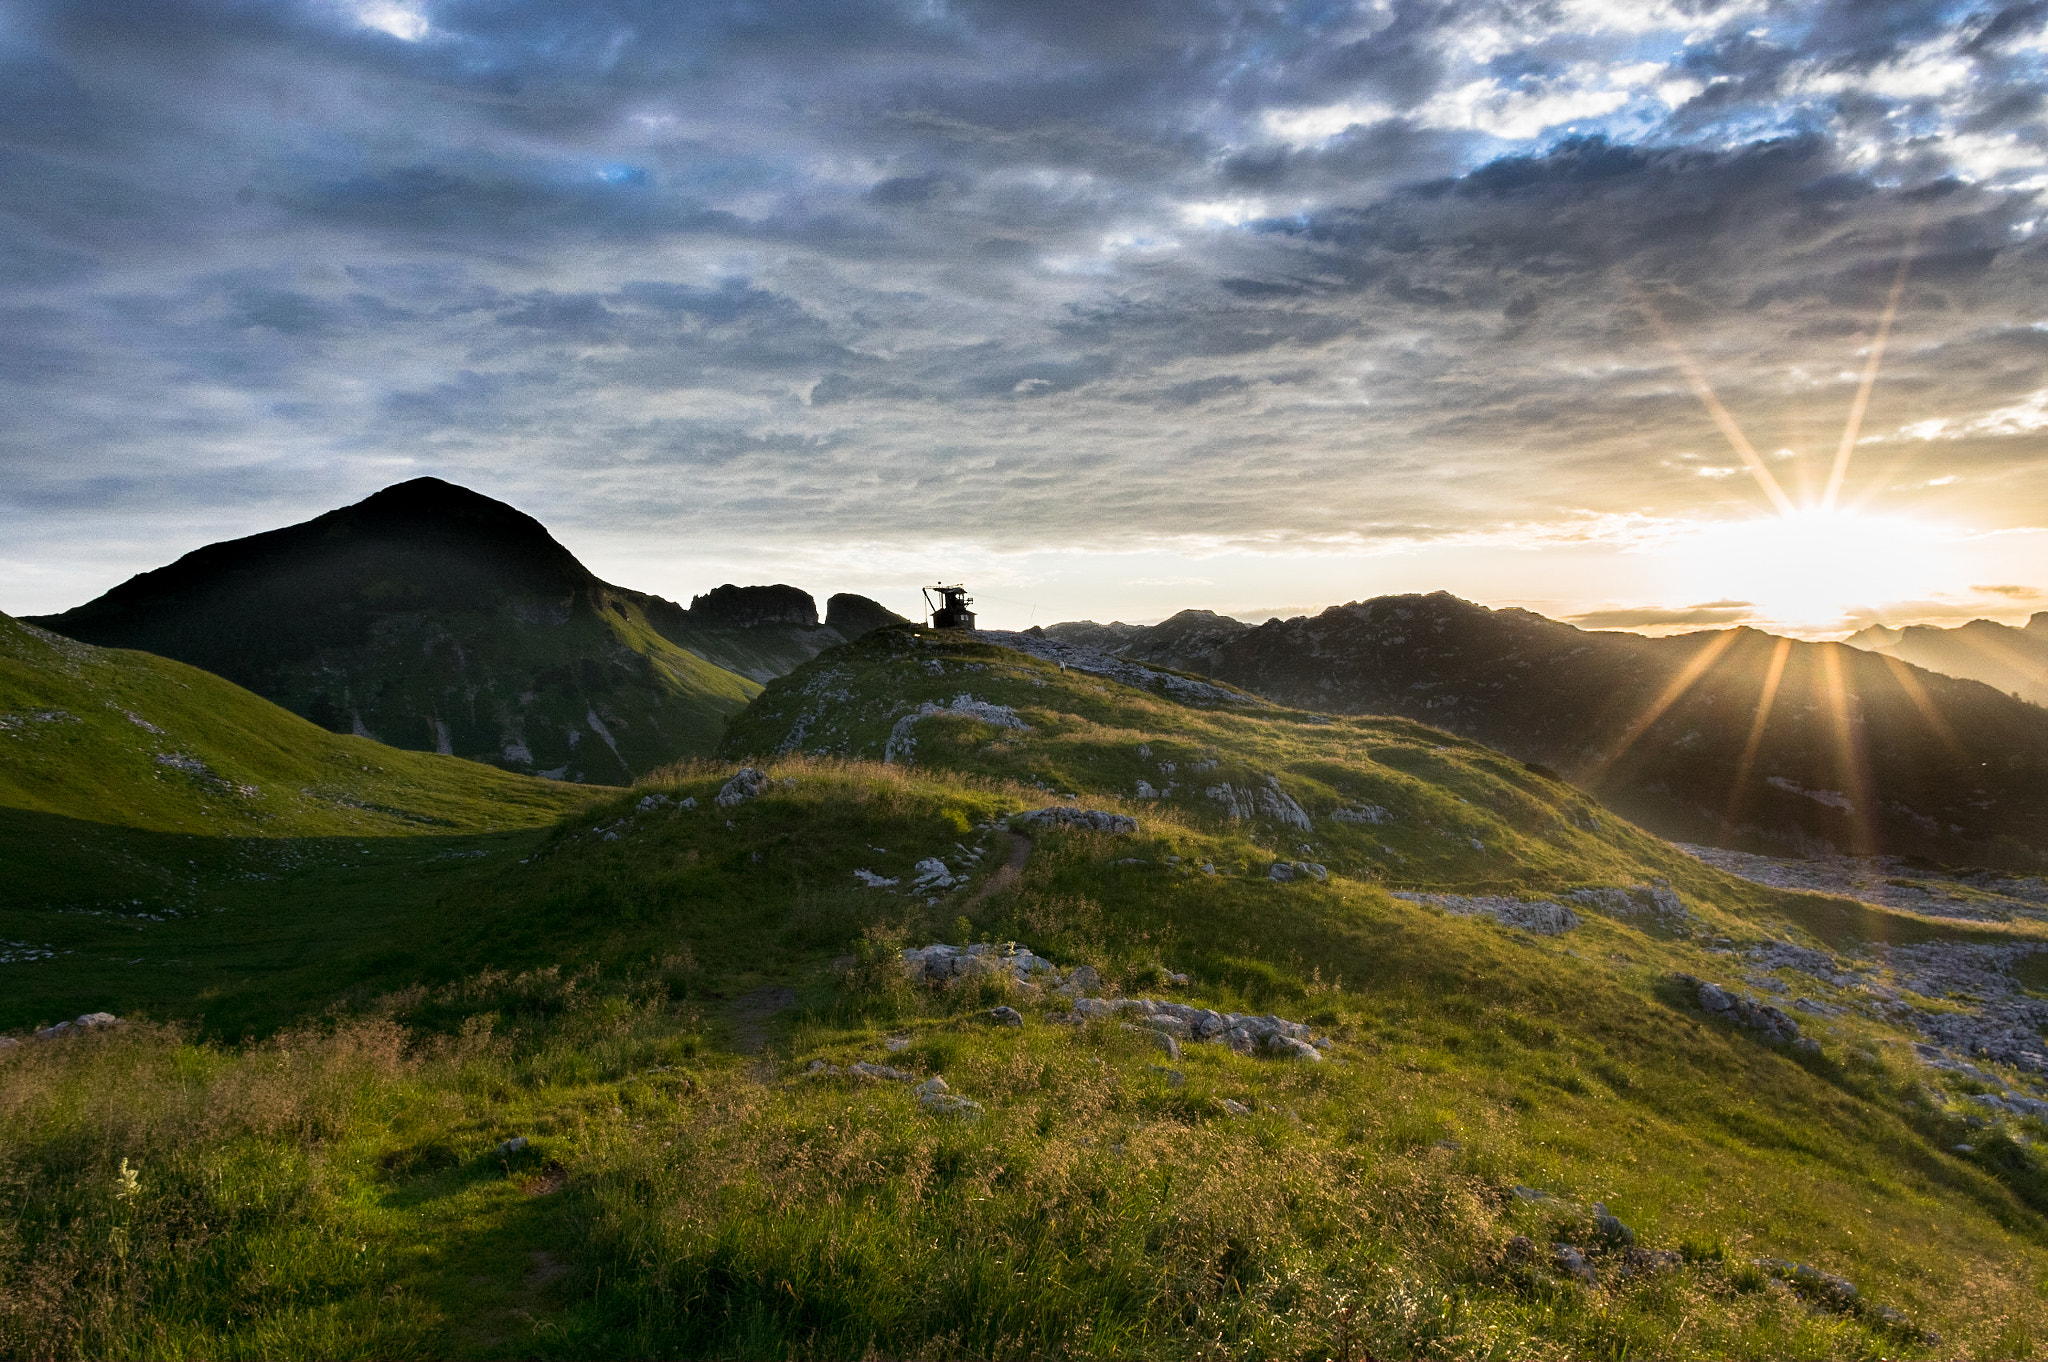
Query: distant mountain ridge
<point x="436" y="618"/>
<point x="2013" y="660"/>
<point x="1855" y="752"/>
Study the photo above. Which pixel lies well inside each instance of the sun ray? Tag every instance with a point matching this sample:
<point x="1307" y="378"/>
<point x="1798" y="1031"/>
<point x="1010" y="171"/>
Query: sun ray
<point x="1687" y="677"/>
<point x="1723" y="420"/>
<point x="1853" y="428"/>
<point x="1774" y="672"/>
<point x="1917" y="693"/>
<point x="1851" y="769"/>
<point x="1994" y="650"/>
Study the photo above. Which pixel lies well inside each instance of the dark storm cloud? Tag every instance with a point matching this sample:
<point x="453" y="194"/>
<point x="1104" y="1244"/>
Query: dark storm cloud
<point x="1072" y="271"/>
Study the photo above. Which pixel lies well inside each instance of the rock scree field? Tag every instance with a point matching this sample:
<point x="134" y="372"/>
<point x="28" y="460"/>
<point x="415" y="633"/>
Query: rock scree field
<point x="1252" y="1031"/>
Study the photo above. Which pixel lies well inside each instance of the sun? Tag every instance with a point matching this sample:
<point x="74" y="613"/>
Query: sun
<point x="1813" y="568"/>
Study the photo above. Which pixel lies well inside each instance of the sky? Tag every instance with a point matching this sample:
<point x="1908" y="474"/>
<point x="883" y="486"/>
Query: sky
<point x="1107" y="310"/>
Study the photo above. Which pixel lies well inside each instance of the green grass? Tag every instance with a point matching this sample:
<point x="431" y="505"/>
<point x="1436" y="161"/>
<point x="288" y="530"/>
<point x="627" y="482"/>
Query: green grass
<point x="331" y="1189"/>
<point x="133" y="740"/>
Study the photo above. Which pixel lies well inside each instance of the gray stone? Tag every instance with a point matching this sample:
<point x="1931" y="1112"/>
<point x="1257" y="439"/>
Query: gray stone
<point x="880" y="1073"/>
<point x="1540" y="916"/>
<point x="1767" y="1021"/>
<point x="1006" y="1016"/>
<point x="1236" y="1108"/>
<point x="1085" y="820"/>
<point x="1572" y="1263"/>
<point x="1837" y="1293"/>
<point x="933" y="1096"/>
<point x="1174" y="1077"/>
<point x="1612" y="1232"/>
<point x="748" y="783"/>
<point x="515" y="1145"/>
<point x="1298" y="870"/>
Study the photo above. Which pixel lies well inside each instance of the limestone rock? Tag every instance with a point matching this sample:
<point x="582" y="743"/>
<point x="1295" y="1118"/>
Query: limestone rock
<point x="1540" y="916"/>
<point x="90" y="1021"/>
<point x="933" y="1096"/>
<point x="1298" y="870"/>
<point x="1572" y="1262"/>
<point x="748" y="783"/>
<point x="1006" y="1016"/>
<point x="1751" y="1015"/>
<point x="879" y="1073"/>
<point x="1087" y="820"/>
<point x="1612" y="1231"/>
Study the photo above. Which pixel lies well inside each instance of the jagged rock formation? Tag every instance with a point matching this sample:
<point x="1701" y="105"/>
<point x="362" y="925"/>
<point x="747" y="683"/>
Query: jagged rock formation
<point x="750" y="607"/>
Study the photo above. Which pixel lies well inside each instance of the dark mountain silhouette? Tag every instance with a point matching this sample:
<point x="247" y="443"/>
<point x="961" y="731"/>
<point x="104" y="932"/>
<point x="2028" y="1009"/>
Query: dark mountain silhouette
<point x="2013" y="660"/>
<point x="1853" y="751"/>
<point x="433" y="617"/>
<point x="852" y="616"/>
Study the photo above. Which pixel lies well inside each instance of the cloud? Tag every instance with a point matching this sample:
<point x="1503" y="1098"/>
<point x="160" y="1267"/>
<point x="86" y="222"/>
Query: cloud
<point x="1644" y="617"/>
<point x="1055" y="274"/>
<point x="2017" y="593"/>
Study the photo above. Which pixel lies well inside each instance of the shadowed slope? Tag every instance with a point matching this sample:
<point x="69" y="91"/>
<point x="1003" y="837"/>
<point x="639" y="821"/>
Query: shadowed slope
<point x="1852" y="751"/>
<point x="434" y="618"/>
<point x="110" y="736"/>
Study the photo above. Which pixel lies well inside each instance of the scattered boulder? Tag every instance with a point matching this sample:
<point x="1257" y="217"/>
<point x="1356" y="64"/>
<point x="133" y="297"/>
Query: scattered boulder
<point x="1540" y="916"/>
<point x="1236" y="1108"/>
<point x="1087" y="820"/>
<point x="874" y="881"/>
<point x="1824" y="1288"/>
<point x="1165" y="1040"/>
<point x="1082" y="981"/>
<point x="931" y="873"/>
<point x="879" y="1073"/>
<point x="1612" y="1232"/>
<point x="748" y="783"/>
<point x="1006" y="1016"/>
<point x="1264" y="800"/>
<point x="1174" y="1077"/>
<point x="1298" y="870"/>
<point x="1571" y="1261"/>
<point x="1767" y="1021"/>
<point x="1654" y="901"/>
<point x="516" y="1145"/>
<point x="90" y="1021"/>
<point x="1245" y="1034"/>
<point x="938" y="963"/>
<point x="934" y="1097"/>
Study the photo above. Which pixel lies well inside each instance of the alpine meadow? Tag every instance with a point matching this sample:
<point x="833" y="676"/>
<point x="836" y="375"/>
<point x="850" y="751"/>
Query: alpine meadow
<point x="937" y="680"/>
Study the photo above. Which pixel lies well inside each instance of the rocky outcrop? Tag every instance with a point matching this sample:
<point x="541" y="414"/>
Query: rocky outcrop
<point x="1264" y="799"/>
<point x="853" y="615"/>
<point x="753" y="607"/>
<point x="1749" y="1014"/>
<point x="902" y="744"/>
<point x="1540" y="916"/>
<point x="748" y="783"/>
<point x="1085" y="820"/>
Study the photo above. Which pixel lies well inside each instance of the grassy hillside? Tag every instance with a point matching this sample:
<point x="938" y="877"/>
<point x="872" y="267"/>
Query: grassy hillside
<point x="1735" y="737"/>
<point x="129" y="739"/>
<point x="655" y="994"/>
<point x="435" y="619"/>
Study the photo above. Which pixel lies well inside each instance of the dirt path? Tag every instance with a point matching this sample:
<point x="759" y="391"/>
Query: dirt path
<point x="750" y="1013"/>
<point x="1009" y="872"/>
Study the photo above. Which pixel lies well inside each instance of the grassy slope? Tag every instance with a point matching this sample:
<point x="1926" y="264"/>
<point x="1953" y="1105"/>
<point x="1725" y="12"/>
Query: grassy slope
<point x="88" y="729"/>
<point x="681" y="1198"/>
